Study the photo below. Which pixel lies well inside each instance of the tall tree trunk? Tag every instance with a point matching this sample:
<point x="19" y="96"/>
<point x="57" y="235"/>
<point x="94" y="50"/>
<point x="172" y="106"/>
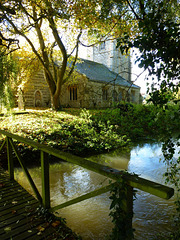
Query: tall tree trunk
<point x="56" y="104"/>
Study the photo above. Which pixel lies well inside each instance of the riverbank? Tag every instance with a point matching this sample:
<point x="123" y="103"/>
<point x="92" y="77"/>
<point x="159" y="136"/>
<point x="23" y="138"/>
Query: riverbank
<point x="64" y="131"/>
<point x="86" y="133"/>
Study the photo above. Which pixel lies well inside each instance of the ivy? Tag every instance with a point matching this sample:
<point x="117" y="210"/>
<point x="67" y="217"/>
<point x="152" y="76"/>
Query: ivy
<point x="121" y="211"/>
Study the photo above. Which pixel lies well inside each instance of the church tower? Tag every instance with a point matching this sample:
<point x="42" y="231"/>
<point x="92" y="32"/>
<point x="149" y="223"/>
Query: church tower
<point x="106" y="53"/>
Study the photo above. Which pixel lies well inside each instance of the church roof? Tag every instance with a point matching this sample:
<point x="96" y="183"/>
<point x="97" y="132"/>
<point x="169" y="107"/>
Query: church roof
<point x="100" y="73"/>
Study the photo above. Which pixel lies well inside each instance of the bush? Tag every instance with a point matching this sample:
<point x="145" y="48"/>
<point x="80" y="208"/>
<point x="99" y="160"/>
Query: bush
<point x="140" y="121"/>
<point x="78" y="135"/>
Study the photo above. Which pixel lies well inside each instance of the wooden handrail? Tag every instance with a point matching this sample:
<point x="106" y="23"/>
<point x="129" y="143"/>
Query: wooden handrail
<point x="132" y="180"/>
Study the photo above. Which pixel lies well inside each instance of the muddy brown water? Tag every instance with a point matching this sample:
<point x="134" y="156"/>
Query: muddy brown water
<point x="90" y="218"/>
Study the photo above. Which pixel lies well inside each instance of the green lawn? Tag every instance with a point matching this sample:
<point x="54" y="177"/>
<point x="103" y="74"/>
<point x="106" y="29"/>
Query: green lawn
<point x="68" y="130"/>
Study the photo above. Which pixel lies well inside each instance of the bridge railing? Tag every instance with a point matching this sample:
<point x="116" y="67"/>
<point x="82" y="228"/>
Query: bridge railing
<point x="131" y="180"/>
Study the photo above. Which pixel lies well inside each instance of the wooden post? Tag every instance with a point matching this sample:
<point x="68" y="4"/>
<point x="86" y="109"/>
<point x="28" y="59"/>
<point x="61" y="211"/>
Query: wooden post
<point x="10" y="159"/>
<point x="22" y="163"/>
<point x="45" y="180"/>
<point x="121" y="210"/>
<point x="129" y="210"/>
<point x="4" y="142"/>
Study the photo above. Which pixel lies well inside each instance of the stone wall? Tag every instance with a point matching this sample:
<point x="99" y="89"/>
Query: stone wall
<point x="102" y="95"/>
<point x="36" y="92"/>
<point x="107" y="54"/>
<point x="80" y="93"/>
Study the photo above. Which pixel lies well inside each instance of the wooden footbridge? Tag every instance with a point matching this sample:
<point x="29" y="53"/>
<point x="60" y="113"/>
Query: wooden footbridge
<point x="19" y="218"/>
<point x="18" y="213"/>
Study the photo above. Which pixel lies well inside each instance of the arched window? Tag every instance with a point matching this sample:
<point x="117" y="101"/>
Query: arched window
<point x="114" y="96"/>
<point x="104" y="94"/>
<point x="38" y="99"/>
<point x="133" y="95"/>
<point x="102" y="46"/>
<point x="120" y="96"/>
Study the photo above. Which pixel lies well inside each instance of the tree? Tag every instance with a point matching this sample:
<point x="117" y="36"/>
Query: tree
<point x="154" y="28"/>
<point x="8" y="78"/>
<point x="157" y="36"/>
<point x="27" y="19"/>
<point x="7" y="44"/>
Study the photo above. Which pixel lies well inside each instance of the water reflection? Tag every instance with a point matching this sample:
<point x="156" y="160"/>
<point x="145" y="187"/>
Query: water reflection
<point x="90" y="218"/>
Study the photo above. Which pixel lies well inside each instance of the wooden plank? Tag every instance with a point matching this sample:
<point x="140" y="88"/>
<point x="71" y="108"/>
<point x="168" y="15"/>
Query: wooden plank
<point x="20" y="209"/>
<point x="14" y="215"/>
<point x="10" y="159"/>
<point x="13" y="197"/>
<point x="19" y="219"/>
<point x="23" y="200"/>
<point x="10" y="191"/>
<point x="45" y="180"/>
<point x="132" y="180"/>
<point x="27" y="226"/>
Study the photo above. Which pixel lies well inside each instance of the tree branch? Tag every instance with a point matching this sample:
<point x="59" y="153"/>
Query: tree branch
<point x="132" y="9"/>
<point x="63" y="51"/>
<point x="75" y="59"/>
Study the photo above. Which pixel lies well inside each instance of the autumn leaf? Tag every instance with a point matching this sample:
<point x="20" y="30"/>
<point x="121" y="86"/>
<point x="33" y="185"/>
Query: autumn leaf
<point x="41" y="229"/>
<point x="13" y="211"/>
<point x="2" y="185"/>
<point x="56" y="223"/>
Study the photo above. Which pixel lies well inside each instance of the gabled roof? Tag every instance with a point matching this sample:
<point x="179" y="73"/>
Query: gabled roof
<point x="100" y="73"/>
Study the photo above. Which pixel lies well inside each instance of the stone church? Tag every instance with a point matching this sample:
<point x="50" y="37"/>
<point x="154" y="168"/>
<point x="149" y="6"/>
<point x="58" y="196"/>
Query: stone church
<point x="102" y="80"/>
<point x="107" y="54"/>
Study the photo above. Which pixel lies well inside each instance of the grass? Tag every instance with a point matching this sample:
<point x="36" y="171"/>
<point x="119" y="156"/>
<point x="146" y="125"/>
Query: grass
<point x="85" y="133"/>
<point x="72" y="131"/>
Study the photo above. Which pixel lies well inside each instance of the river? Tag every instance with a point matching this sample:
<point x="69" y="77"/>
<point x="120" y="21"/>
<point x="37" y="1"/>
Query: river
<point x="90" y="218"/>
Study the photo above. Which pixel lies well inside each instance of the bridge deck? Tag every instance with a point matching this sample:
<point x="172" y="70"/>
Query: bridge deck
<point x="19" y="218"/>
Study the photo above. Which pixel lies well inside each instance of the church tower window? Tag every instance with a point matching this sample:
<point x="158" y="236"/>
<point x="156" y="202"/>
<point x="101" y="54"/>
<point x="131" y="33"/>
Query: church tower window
<point x="102" y="46"/>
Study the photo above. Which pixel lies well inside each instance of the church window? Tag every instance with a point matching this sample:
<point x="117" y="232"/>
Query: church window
<point x="104" y="94"/>
<point x="133" y="95"/>
<point x="115" y="96"/>
<point x="102" y="46"/>
<point x="73" y="93"/>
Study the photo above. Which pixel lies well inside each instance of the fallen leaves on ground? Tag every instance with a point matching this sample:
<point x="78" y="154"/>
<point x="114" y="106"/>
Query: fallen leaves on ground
<point x="56" y="223"/>
<point x="2" y="185"/>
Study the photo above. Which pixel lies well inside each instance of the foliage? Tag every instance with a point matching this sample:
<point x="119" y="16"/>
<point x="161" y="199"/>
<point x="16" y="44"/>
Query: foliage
<point x="8" y="79"/>
<point x="65" y="132"/>
<point x="32" y="19"/>
<point x="141" y="121"/>
<point x="7" y="43"/>
<point x="8" y="98"/>
<point x="53" y="30"/>
<point x="157" y="36"/>
<point x="120" y="212"/>
<point x="85" y="132"/>
<point x="153" y="28"/>
<point x="171" y="154"/>
<point x="154" y="122"/>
